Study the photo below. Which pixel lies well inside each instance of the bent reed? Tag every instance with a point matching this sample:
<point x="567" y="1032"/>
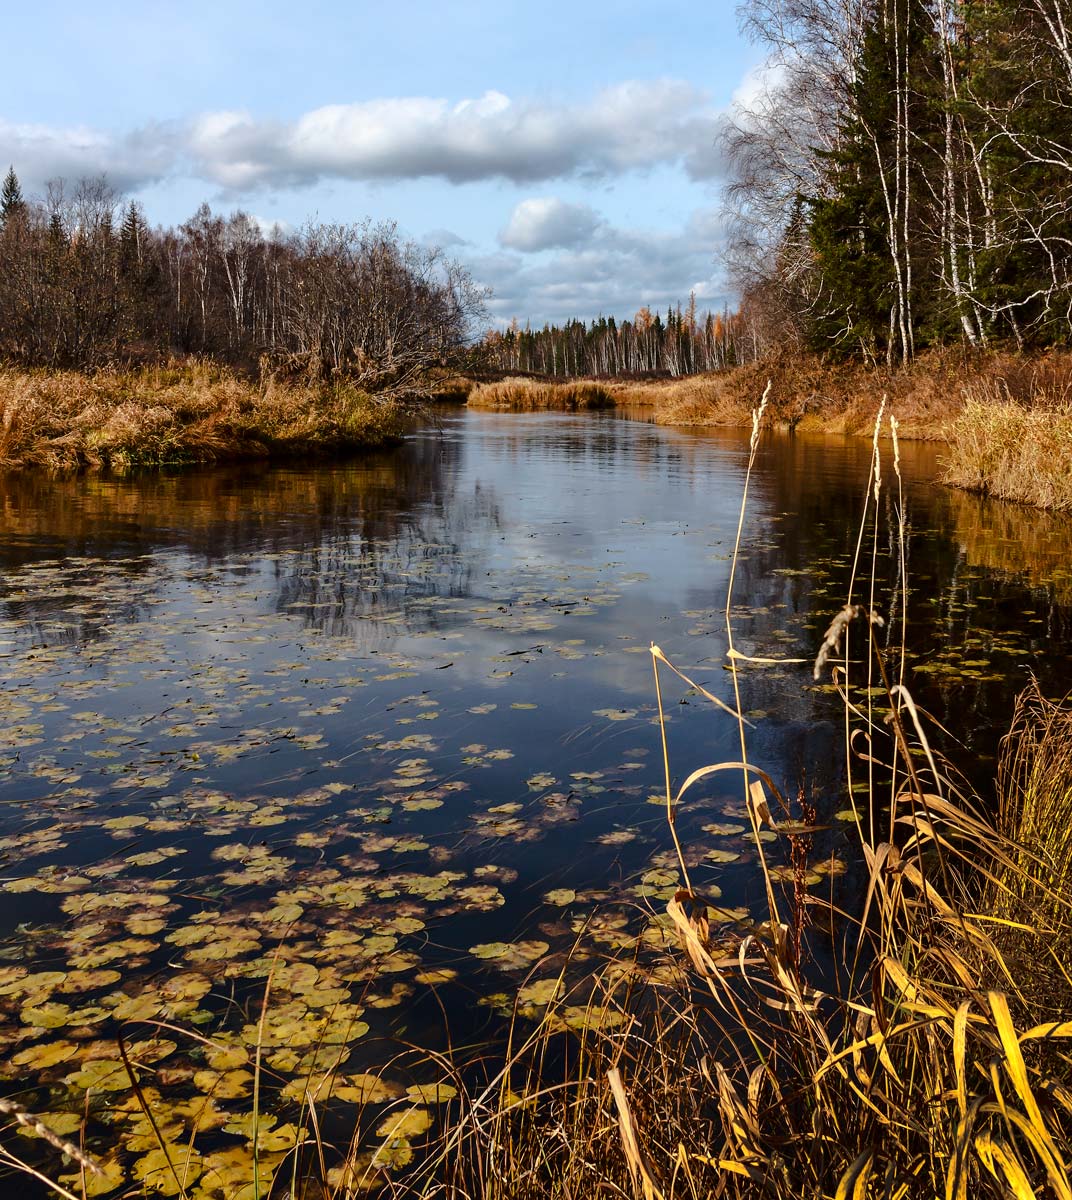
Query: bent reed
<point x="179" y="414"/>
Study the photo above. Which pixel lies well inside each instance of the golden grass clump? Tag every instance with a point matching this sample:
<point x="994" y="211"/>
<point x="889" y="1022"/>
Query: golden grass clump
<point x="193" y="412"/>
<point x="1035" y="898"/>
<point x="530" y="395"/>
<point x="1013" y="450"/>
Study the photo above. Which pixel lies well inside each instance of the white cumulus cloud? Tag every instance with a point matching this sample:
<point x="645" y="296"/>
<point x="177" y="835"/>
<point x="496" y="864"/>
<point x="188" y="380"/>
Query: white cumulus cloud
<point x="130" y="161"/>
<point x="614" y="272"/>
<point x="546" y="222"/>
<point x="633" y="126"/>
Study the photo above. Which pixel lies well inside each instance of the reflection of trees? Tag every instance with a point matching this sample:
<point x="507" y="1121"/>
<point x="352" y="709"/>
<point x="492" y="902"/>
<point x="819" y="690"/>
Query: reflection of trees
<point x="87" y="603"/>
<point x="406" y="540"/>
<point x="986" y="580"/>
<point x="359" y="538"/>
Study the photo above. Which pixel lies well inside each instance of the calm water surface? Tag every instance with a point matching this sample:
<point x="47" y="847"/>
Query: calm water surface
<point x="386" y="729"/>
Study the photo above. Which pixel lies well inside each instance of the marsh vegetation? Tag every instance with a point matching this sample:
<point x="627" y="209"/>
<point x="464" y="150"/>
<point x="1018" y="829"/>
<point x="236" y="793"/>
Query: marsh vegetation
<point x="315" y="888"/>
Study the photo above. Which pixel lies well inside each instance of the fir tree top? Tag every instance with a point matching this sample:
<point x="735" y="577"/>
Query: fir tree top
<point x="11" y="201"/>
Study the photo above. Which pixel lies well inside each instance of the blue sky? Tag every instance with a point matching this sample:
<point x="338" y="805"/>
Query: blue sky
<point x="566" y="154"/>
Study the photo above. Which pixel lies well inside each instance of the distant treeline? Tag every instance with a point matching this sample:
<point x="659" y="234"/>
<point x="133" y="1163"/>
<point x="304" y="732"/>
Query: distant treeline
<point x="683" y="343"/>
<point x="904" y="178"/>
<point x="85" y="282"/>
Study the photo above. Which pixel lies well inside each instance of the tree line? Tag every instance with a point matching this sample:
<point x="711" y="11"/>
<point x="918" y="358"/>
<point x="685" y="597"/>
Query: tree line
<point x="904" y="179"/>
<point x="85" y="282"/>
<point x="682" y="343"/>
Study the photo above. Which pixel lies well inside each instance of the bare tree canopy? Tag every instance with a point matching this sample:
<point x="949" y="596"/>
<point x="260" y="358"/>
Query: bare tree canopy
<point x="84" y="281"/>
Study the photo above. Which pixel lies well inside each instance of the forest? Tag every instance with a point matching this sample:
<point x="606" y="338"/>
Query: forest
<point x="85" y="283"/>
<point x="685" y="343"/>
<point x="904" y="178"/>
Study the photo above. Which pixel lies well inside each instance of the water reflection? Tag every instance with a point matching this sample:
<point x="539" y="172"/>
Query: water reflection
<point x="379" y="716"/>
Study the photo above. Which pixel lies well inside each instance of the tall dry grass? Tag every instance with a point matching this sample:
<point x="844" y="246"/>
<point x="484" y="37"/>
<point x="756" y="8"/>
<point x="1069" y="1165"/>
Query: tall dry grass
<point x="1036" y="814"/>
<point x="193" y="412"/>
<point x="530" y="395"/>
<point x="809" y="393"/>
<point x="922" y="1065"/>
<point x="1013" y="450"/>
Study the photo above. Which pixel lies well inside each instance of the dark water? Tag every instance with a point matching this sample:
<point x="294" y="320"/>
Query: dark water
<point x="339" y="726"/>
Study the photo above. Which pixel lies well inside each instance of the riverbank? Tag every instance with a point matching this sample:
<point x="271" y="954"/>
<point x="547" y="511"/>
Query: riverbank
<point x="1007" y="419"/>
<point x="180" y="414"/>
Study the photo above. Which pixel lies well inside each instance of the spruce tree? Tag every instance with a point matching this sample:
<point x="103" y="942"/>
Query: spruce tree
<point x="11" y="202"/>
<point x="862" y="253"/>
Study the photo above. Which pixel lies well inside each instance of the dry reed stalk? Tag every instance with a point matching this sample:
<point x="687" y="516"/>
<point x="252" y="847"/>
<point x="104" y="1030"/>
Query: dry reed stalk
<point x="24" y="1117"/>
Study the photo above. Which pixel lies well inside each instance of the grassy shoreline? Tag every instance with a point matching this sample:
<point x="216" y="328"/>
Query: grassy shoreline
<point x="179" y="415"/>
<point x="1007" y="419"/>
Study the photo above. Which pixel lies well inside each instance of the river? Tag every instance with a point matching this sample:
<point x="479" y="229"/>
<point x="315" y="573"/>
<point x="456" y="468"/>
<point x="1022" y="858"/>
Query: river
<point x="384" y="732"/>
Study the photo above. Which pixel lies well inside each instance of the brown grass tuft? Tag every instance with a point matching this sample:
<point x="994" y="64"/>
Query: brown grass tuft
<point x="191" y="412"/>
<point x="1035" y="897"/>
<point x="1013" y="450"/>
<point x="529" y="395"/>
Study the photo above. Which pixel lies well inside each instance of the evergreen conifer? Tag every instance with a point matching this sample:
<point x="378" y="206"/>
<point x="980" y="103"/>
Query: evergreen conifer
<point x="11" y="201"/>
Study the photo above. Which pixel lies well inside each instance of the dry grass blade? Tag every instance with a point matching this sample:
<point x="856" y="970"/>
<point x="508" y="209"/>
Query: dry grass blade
<point x="27" y="1119"/>
<point x="639" y="1170"/>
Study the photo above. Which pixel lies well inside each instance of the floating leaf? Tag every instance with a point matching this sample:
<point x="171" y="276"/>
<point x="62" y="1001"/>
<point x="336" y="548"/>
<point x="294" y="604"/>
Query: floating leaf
<point x="170" y="1173"/>
<point x="100" y="1075"/>
<point x="405" y="1123"/>
<point x="431" y="1093"/>
<point x="541" y="992"/>
<point x="368" y="1089"/>
<point x="511" y="955"/>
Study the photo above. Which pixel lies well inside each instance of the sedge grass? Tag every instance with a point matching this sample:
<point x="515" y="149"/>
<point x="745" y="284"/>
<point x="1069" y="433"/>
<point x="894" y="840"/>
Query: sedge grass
<point x="190" y="412"/>
<point x="1013" y="451"/>
<point x="529" y="395"/>
<point x="1034" y="901"/>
